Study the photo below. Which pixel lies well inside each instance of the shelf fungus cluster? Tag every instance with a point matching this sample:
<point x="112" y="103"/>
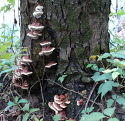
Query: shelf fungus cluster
<point x="36" y="27"/>
<point x="21" y="71"/>
<point x="59" y="105"/>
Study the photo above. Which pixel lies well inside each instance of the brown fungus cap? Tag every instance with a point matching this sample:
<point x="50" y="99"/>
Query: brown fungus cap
<point x="49" y="65"/>
<point x="46" y="51"/>
<point x="45" y="43"/>
<point x="36" y="26"/>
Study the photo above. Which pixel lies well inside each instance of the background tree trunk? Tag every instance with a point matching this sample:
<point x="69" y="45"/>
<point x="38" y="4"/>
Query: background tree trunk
<point x="77" y="29"/>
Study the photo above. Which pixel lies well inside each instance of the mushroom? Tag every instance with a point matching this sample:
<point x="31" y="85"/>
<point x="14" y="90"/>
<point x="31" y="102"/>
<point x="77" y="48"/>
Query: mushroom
<point x="56" y="97"/>
<point x="26" y="59"/>
<point x="32" y="35"/>
<point x="63" y="105"/>
<point x="16" y="82"/>
<point x="25" y="83"/>
<point x="45" y="43"/>
<point x="37" y="33"/>
<point x="37" y="14"/>
<point x="57" y="107"/>
<point x="36" y="26"/>
<point x="39" y="8"/>
<point x="24" y="87"/>
<point x="49" y="65"/>
<point x="50" y="104"/>
<point x="46" y="51"/>
<point x="80" y="102"/>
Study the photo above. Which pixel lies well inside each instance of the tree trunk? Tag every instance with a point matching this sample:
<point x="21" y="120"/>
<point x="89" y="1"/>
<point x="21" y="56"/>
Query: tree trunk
<point x="77" y="29"/>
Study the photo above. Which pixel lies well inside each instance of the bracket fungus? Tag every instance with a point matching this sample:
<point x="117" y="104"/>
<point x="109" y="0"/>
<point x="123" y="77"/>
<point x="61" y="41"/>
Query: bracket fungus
<point x="45" y="43"/>
<point x="37" y="14"/>
<point x="80" y="102"/>
<point x="36" y="26"/>
<point x="47" y="50"/>
<point x="59" y="105"/>
<point x="23" y="69"/>
<point x="39" y="8"/>
<point x="49" y="65"/>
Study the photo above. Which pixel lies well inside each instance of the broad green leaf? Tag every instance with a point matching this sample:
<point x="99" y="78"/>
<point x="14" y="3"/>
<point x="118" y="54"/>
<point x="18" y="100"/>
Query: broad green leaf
<point x="120" y="12"/>
<point x="16" y="99"/>
<point x="6" y="56"/>
<point x="22" y="101"/>
<point x="122" y="62"/>
<point x="98" y="77"/>
<point x="88" y="110"/>
<point x="34" y="109"/>
<point x="109" y="111"/>
<point x="105" y="55"/>
<point x="25" y="117"/>
<point x="56" y="117"/>
<point x="64" y="76"/>
<point x="7" y="107"/>
<point x="26" y="107"/>
<point x="114" y="97"/>
<point x="61" y="79"/>
<point x="1" y="84"/>
<point x="3" y="48"/>
<point x="95" y="116"/>
<point x="115" y="75"/>
<point x="110" y="102"/>
<point x="89" y="65"/>
<point x="110" y="70"/>
<point x="121" y="100"/>
<point x="119" y="54"/>
<point x="36" y="119"/>
<point x="113" y="119"/>
<point x="105" y="87"/>
<point x="10" y="103"/>
<point x="8" y="70"/>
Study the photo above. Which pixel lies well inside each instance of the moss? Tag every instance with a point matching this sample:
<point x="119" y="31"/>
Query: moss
<point x="96" y="49"/>
<point x="84" y="20"/>
<point x="93" y="7"/>
<point x="63" y="42"/>
<point x="72" y="18"/>
<point x="80" y="55"/>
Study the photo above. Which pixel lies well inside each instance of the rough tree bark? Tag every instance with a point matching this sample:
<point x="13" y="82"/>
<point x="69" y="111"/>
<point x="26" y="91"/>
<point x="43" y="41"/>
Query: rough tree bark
<point x="77" y="29"/>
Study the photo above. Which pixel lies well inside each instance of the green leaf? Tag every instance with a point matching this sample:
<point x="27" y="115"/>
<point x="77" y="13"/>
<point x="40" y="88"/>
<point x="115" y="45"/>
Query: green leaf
<point x="120" y="12"/>
<point x="105" y="87"/>
<point x="95" y="116"/>
<point x="119" y="54"/>
<point x="3" y="48"/>
<point x="8" y="70"/>
<point x="26" y="107"/>
<point x="61" y="79"/>
<point x="25" y="117"/>
<point x="6" y="56"/>
<point x="22" y="101"/>
<point x="56" y="117"/>
<point x="36" y="119"/>
<point x="16" y="99"/>
<point x="11" y="103"/>
<point x="34" y="109"/>
<point x="109" y="111"/>
<point x="88" y="110"/>
<point x="121" y="100"/>
<point x="110" y="70"/>
<point x="113" y="119"/>
<point x="110" y="102"/>
<point x="97" y="77"/>
<point x="114" y="97"/>
<point x="115" y="75"/>
<point x="105" y="55"/>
